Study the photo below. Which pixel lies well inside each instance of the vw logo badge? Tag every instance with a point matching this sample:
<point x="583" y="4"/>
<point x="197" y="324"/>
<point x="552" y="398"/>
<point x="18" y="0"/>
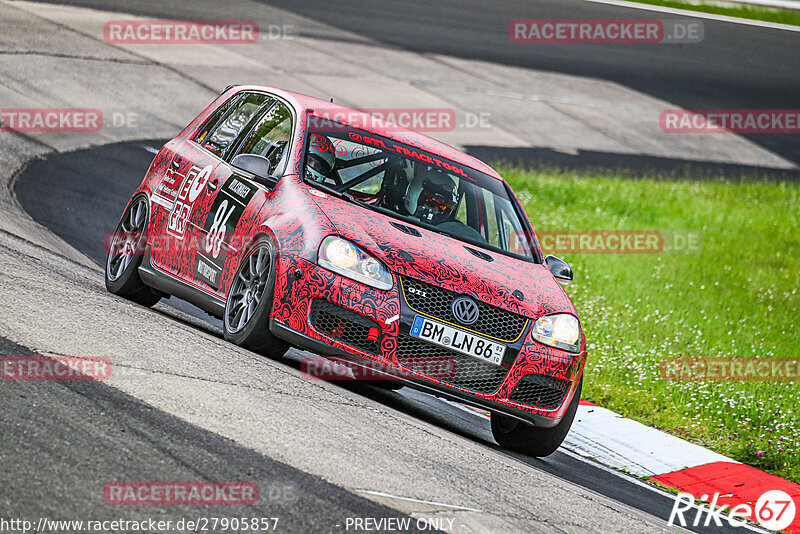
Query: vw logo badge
<point x="465" y="310"/>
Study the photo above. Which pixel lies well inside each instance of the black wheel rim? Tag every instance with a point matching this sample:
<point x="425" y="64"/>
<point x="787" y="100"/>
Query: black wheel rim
<point x="127" y="240"/>
<point x="247" y="289"/>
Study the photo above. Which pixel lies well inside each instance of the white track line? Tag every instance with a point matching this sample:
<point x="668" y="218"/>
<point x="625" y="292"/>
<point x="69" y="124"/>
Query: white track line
<point x="698" y="14"/>
<point x="148" y="148"/>
<point x="409" y="499"/>
<point x="639" y="449"/>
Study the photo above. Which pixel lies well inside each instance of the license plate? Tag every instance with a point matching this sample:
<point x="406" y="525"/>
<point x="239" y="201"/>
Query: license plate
<point x="458" y="340"/>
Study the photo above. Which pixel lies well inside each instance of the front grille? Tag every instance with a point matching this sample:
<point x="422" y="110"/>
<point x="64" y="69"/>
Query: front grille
<point x="540" y="391"/>
<point x="344" y="325"/>
<point x="449" y="366"/>
<point x="435" y="301"/>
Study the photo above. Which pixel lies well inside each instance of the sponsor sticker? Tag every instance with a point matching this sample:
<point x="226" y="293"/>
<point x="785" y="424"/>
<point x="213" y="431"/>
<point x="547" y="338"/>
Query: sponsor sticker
<point x="224" y="215"/>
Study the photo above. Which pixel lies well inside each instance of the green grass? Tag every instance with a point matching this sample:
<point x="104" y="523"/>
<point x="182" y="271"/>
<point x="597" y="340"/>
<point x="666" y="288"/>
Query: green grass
<point x="738" y="297"/>
<point x="783" y="16"/>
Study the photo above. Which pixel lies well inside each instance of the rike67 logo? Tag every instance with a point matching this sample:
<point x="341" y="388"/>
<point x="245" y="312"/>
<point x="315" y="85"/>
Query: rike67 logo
<point x="774" y="510"/>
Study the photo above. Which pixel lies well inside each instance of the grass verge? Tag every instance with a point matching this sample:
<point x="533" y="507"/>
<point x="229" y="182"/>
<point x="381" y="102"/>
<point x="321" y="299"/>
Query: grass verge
<point x="737" y="297"/>
<point x="768" y="14"/>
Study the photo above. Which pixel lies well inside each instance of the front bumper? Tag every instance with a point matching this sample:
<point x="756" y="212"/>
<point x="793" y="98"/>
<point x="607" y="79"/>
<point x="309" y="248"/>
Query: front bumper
<point x="384" y="316"/>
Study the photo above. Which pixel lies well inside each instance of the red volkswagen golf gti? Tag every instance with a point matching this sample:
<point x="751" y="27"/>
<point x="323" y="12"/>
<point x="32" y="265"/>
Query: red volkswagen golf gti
<point x="303" y="223"/>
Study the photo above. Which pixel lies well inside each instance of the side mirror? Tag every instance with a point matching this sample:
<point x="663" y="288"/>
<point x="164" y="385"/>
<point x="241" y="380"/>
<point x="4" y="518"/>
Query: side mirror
<point x="256" y="165"/>
<point x="560" y="269"/>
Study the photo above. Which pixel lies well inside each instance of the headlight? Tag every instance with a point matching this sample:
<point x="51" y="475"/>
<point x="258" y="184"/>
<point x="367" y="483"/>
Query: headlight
<point x="343" y="257"/>
<point x="561" y="331"/>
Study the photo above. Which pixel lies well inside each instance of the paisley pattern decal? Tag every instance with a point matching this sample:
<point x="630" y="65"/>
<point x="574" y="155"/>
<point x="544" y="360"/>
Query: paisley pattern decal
<point x="296" y="217"/>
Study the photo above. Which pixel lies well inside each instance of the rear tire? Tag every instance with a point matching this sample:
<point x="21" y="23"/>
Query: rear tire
<point x="517" y="436"/>
<point x="125" y="253"/>
<point x="249" y="302"/>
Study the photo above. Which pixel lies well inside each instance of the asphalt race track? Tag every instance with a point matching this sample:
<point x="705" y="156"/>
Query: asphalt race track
<point x="115" y="437"/>
<point x="762" y="73"/>
<point x="736" y="66"/>
<point x="95" y="184"/>
<point x="67" y="439"/>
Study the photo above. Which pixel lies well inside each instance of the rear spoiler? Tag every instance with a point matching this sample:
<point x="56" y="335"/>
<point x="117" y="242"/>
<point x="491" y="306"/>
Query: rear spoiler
<point x="231" y="85"/>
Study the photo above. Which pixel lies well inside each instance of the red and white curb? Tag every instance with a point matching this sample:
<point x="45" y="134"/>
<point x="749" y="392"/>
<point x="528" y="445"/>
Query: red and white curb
<point x="622" y="443"/>
<point x="616" y="441"/>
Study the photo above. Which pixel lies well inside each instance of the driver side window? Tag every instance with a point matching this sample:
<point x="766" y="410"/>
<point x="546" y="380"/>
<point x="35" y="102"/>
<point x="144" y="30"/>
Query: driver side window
<point x="270" y="137"/>
<point x="228" y="128"/>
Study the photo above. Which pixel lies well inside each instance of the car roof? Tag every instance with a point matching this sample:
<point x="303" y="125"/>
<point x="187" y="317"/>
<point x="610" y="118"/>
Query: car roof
<point x="365" y="121"/>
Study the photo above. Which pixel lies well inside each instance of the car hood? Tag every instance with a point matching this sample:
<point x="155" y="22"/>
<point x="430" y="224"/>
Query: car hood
<point x="447" y="262"/>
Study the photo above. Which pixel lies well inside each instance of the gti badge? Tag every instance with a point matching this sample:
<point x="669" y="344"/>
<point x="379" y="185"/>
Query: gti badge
<point x="465" y="310"/>
<point x="415" y="291"/>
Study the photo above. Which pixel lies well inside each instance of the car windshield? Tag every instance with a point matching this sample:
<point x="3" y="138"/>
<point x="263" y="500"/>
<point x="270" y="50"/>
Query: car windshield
<point x="416" y="186"/>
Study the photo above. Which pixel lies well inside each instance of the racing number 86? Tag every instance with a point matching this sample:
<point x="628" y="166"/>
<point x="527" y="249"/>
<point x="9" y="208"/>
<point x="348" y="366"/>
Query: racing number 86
<point x="216" y="234"/>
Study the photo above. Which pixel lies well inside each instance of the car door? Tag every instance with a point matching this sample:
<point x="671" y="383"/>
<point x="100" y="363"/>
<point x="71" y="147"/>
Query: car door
<point x="230" y="220"/>
<point x="175" y="198"/>
<point x="193" y="181"/>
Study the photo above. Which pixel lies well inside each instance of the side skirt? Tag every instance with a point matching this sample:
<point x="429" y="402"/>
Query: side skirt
<point x="172" y="286"/>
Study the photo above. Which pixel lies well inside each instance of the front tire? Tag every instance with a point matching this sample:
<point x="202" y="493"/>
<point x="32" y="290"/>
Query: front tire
<point x="249" y="303"/>
<point x="125" y="253"/>
<point x="517" y="436"/>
